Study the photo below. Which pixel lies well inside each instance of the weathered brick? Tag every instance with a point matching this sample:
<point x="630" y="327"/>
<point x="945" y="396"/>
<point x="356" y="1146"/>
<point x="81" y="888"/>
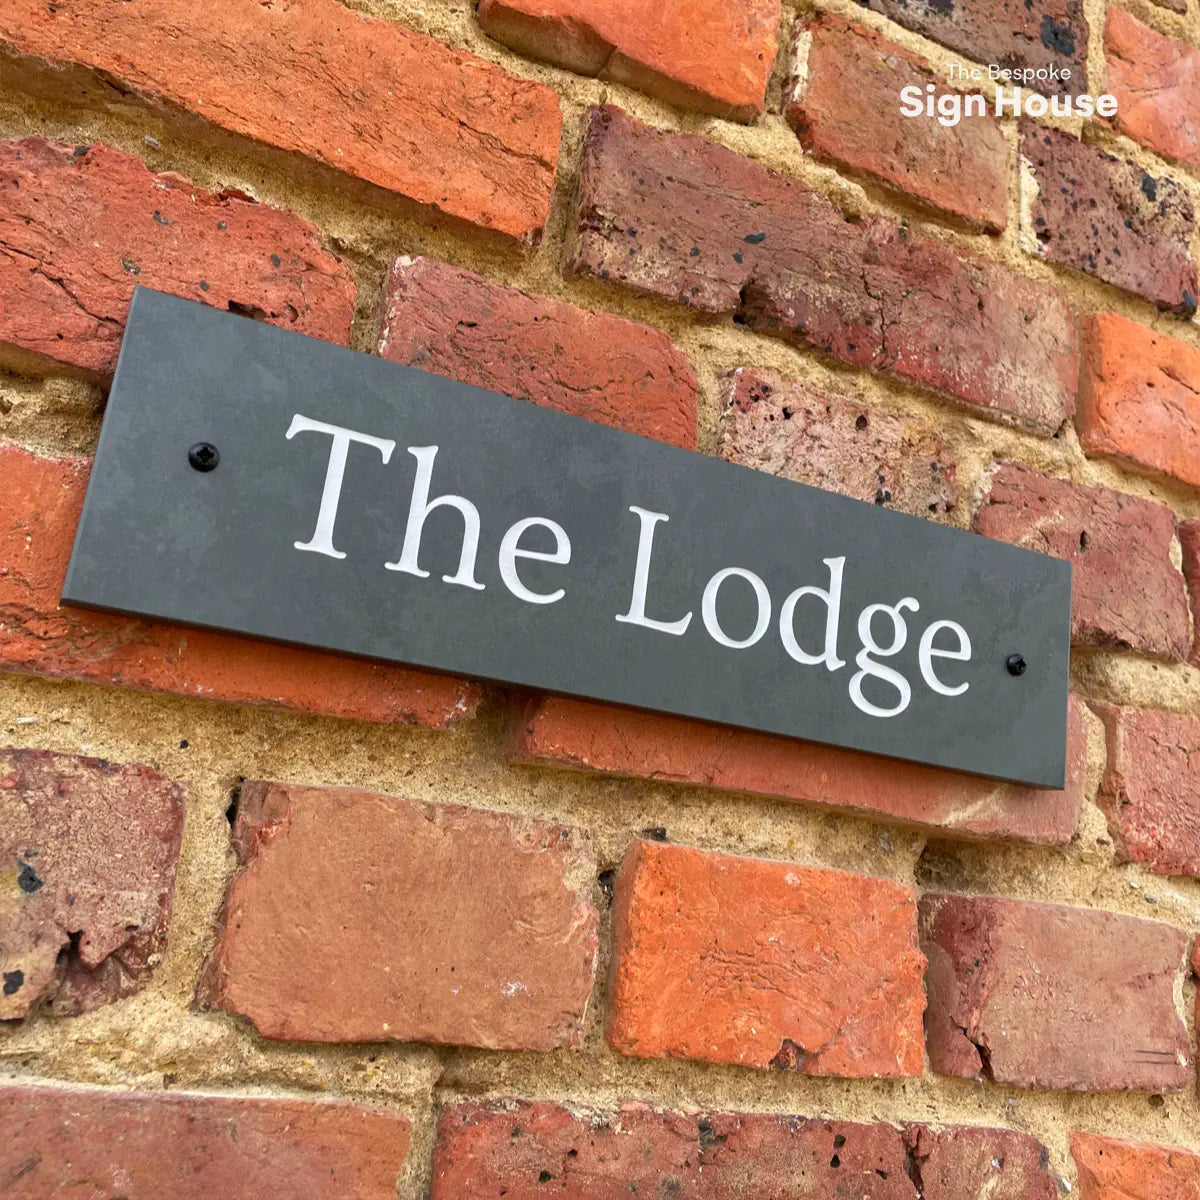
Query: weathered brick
<point x="1139" y="398"/>
<point x="1111" y="1169"/>
<point x="1151" y="788"/>
<point x="39" y="509"/>
<point x="365" y="97"/>
<point x="968" y="1162"/>
<point x="764" y="964"/>
<point x="1107" y="217"/>
<point x="88" y="852"/>
<point x="712" y="55"/>
<point x="676" y="216"/>
<point x="1048" y="996"/>
<point x="1011" y="33"/>
<point x="1156" y="81"/>
<point x="589" y="364"/>
<point x="89" y="1142"/>
<point x="959" y="170"/>
<point x="527" y="1149"/>
<point x="330" y="876"/>
<point x="1126" y="593"/>
<point x="1189" y="541"/>
<point x="81" y="227"/>
<point x="581" y="735"/>
<point x="805" y="433"/>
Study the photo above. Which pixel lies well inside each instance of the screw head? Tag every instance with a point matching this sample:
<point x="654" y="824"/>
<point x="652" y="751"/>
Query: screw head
<point x="204" y="456"/>
<point x="1016" y="664"/>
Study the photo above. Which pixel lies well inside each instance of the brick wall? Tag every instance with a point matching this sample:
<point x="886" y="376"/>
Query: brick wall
<point x="272" y="920"/>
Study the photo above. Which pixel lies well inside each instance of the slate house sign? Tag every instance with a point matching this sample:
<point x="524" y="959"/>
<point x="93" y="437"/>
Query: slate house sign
<point x="258" y="481"/>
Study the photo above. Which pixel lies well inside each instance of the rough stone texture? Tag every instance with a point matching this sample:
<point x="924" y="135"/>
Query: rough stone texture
<point x="1049" y="996"/>
<point x="1156" y="81"/>
<point x="1109" y="218"/>
<point x="366" y="97"/>
<point x="801" y="432"/>
<point x="1139" y="398"/>
<point x="676" y="216"/>
<point x="1151" y="789"/>
<point x="88" y="852"/>
<point x="94" y="1144"/>
<point x="362" y="917"/>
<point x="1012" y="33"/>
<point x="959" y="171"/>
<point x="711" y="55"/>
<point x="1111" y="1169"/>
<point x="39" y="509"/>
<point x="764" y="964"/>
<point x="80" y="227"/>
<point x="524" y="1150"/>
<point x="578" y="734"/>
<point x="1126" y="593"/>
<point x="589" y="364"/>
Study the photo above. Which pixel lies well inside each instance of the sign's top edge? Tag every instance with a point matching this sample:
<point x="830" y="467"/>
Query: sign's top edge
<point x="146" y="297"/>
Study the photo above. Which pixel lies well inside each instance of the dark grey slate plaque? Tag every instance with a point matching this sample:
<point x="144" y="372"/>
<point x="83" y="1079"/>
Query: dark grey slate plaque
<point x="244" y="548"/>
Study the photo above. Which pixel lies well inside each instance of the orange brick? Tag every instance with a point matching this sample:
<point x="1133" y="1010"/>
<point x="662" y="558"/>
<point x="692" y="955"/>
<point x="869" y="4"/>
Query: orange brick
<point x="1111" y="1169"/>
<point x="764" y="964"/>
<point x="366" y="97"/>
<point x="711" y="55"/>
<point x="1139" y="398"/>
<point x="1156" y="81"/>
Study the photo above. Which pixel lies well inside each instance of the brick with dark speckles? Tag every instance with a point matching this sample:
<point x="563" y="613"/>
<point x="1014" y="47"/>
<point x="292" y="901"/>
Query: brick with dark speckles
<point x="88" y="852"/>
<point x="1108" y="218"/>
<point x="1010" y="33"/>
<point x="867" y="292"/>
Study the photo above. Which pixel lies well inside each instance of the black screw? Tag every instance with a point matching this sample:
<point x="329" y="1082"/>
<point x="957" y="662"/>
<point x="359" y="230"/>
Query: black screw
<point x="1016" y="664"/>
<point x="204" y="456"/>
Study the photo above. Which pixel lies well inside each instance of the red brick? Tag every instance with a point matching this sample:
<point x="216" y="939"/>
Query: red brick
<point x="1047" y="996"/>
<point x="1107" y="217"/>
<point x="1139" y="400"/>
<point x="804" y="433"/>
<point x="525" y="1150"/>
<point x="678" y="217"/>
<point x="764" y="964"/>
<point x="1151" y="788"/>
<point x="88" y="1142"/>
<point x="967" y="1162"/>
<point x="1126" y="593"/>
<point x="80" y="228"/>
<point x="1111" y="1169"/>
<point x="349" y="921"/>
<point x="88" y="852"/>
<point x="960" y="171"/>
<point x="366" y="97"/>
<point x="1156" y="81"/>
<point x="589" y="364"/>
<point x="712" y="55"/>
<point x="39" y="509"/>
<point x="578" y="734"/>
<point x="1189" y="540"/>
<point x="1018" y="35"/>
